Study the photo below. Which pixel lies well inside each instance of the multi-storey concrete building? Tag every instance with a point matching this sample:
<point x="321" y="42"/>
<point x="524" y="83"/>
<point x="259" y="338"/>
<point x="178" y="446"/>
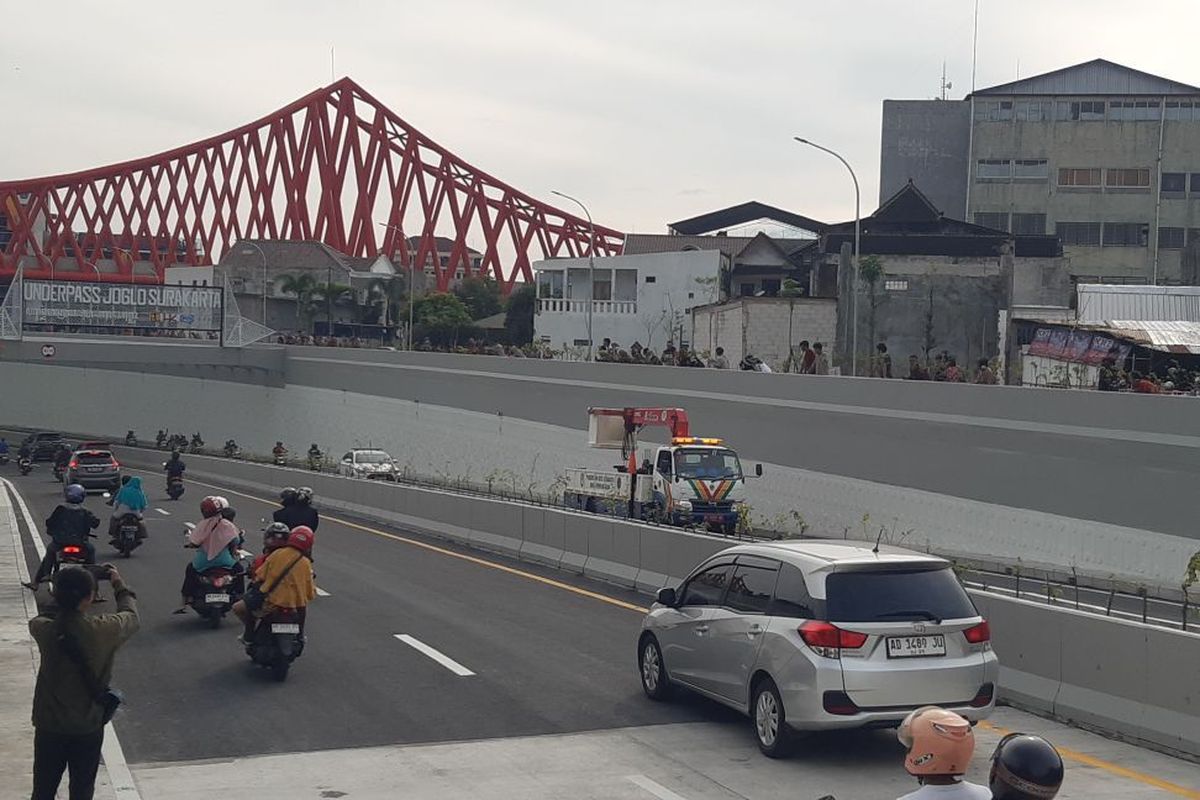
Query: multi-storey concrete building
<point x="1104" y="156"/>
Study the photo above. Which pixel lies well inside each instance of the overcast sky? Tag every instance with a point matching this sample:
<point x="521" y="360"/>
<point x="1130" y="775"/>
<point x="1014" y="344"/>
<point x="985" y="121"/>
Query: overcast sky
<point x="650" y="110"/>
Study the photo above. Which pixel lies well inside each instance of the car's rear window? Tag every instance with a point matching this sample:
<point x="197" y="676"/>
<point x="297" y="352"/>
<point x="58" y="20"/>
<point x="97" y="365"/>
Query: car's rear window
<point x="896" y="596"/>
<point x="94" y="457"/>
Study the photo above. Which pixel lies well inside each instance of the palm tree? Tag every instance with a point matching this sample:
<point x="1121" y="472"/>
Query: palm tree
<point x="385" y="297"/>
<point x="327" y="294"/>
<point x="301" y="287"/>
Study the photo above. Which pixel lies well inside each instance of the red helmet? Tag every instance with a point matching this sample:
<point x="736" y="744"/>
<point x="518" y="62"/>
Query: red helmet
<point x="213" y="505"/>
<point x="302" y="538"/>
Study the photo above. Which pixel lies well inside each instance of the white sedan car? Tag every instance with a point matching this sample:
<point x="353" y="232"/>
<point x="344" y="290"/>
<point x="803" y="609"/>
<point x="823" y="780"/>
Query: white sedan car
<point x="371" y="464"/>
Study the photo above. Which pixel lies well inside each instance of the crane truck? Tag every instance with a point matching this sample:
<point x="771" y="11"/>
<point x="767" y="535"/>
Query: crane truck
<point x="691" y="481"/>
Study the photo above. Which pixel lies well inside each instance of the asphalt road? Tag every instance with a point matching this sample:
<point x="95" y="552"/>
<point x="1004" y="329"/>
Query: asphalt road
<point x="545" y="660"/>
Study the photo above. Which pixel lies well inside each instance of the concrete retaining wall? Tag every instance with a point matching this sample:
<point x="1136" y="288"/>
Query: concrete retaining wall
<point x="1135" y="681"/>
<point x="519" y="454"/>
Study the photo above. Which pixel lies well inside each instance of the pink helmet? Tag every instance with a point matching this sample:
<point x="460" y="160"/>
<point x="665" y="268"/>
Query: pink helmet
<point x="939" y="742"/>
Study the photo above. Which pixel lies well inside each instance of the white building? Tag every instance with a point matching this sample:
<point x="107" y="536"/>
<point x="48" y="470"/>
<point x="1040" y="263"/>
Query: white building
<point x="643" y="298"/>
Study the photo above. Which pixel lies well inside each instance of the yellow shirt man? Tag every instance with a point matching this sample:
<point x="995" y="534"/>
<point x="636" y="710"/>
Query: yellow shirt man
<point x="297" y="588"/>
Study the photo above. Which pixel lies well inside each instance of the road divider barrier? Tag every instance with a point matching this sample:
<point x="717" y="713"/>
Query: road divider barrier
<point x="1135" y="681"/>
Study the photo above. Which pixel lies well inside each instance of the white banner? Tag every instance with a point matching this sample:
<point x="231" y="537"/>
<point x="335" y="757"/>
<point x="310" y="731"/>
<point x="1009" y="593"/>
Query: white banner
<point x="112" y="305"/>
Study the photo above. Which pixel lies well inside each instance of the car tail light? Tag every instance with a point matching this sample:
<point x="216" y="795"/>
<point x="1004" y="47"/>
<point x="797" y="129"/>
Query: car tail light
<point x="838" y="703"/>
<point x="72" y="550"/>
<point x="116" y="464"/>
<point x="827" y="639"/>
<point x="74" y="464"/>
<point x="979" y="634"/>
<point x="984" y="696"/>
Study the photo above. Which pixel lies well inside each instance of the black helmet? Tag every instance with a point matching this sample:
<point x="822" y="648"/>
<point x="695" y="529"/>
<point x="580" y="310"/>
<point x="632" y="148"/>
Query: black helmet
<point x="287" y="496"/>
<point x="1025" y="767"/>
<point x="275" y="534"/>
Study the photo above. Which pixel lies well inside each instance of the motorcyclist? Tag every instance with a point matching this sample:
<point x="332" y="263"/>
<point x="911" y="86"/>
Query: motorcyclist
<point x="174" y="467"/>
<point x="314" y="453"/>
<point x="279" y="451"/>
<point x="215" y="539"/>
<point x="940" y="744"/>
<point x="287" y="572"/>
<point x="129" y="500"/>
<point x="1025" y="767"/>
<point x="62" y="458"/>
<point x="24" y="451"/>
<point x="130" y="438"/>
<point x="274" y="537"/>
<point x="4" y="446"/>
<point x="69" y="524"/>
<point x="296" y="508"/>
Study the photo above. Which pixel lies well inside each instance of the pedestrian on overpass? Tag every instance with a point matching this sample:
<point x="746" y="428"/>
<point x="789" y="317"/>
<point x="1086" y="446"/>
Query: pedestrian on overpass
<point x="940" y="744"/>
<point x="72" y="701"/>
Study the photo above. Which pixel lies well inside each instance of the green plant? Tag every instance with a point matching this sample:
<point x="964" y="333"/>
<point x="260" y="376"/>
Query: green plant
<point x="442" y="317"/>
<point x="480" y="296"/>
<point x="870" y="269"/>
<point x="518" y="315"/>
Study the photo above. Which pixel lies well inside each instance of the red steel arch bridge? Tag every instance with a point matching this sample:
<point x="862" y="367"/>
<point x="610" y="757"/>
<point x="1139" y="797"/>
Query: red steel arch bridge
<point x="336" y="166"/>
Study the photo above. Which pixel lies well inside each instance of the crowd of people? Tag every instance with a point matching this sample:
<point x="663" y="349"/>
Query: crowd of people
<point x="1170" y="379"/>
<point x="945" y="369"/>
<point x="324" y="341"/>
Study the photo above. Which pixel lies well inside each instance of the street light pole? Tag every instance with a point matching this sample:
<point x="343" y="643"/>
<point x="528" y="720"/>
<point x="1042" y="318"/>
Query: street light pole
<point x="591" y="301"/>
<point x="854" y="259"/>
<point x="412" y="276"/>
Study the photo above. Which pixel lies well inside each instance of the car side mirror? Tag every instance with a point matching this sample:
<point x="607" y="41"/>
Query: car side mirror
<point x="666" y="596"/>
<point x="758" y="470"/>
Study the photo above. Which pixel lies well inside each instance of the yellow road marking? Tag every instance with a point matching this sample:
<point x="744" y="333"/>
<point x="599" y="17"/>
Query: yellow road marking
<point x="483" y="562"/>
<point x="1108" y="766"/>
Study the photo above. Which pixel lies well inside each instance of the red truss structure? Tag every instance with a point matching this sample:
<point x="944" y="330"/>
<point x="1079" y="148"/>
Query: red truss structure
<point x="331" y="166"/>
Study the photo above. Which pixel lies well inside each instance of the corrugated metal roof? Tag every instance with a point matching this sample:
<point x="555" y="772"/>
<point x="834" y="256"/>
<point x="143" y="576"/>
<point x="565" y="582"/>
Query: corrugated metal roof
<point x="1099" y="302"/>
<point x="1096" y="77"/>
<point x="1168" y="336"/>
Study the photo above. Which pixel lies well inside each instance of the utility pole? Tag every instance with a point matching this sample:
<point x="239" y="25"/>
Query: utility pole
<point x="591" y="301"/>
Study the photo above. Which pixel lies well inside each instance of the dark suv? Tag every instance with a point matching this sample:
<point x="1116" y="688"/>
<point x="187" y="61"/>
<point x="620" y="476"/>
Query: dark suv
<point x="43" y="445"/>
<point x="94" y="470"/>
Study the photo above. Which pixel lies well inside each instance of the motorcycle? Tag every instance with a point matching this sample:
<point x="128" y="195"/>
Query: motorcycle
<point x="197" y="445"/>
<point x="174" y="485"/>
<point x="219" y="588"/>
<point x="127" y="539"/>
<point x="160" y="441"/>
<point x="3" y="459"/>
<point x="59" y="471"/>
<point x="315" y="461"/>
<point x="278" y="641"/>
<point x="232" y="450"/>
<point x="280" y="457"/>
<point x="131" y="439"/>
<point x="25" y="465"/>
<point x="178" y="442"/>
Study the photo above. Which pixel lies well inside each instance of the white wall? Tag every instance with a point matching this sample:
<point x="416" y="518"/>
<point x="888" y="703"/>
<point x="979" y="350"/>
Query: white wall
<point x="759" y="325"/>
<point x="675" y="289"/>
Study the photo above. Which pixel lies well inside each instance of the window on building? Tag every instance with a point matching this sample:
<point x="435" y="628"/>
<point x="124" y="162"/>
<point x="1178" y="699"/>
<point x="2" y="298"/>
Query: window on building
<point x="651" y="279"/>
<point x="771" y="287"/>
<point x="1033" y="110"/>
<point x="1082" y="110"/>
<point x="1079" y="234"/>
<point x="625" y="285"/>
<point x="1174" y="182"/>
<point x="1079" y="176"/>
<point x="1025" y="224"/>
<point x="602" y="288"/>
<point x="1031" y="169"/>
<point x="550" y="284"/>
<point x="997" y="220"/>
<point x="745" y="290"/>
<point x="1195" y="181"/>
<point x="996" y="110"/>
<point x="444" y="261"/>
<point x="1135" y="110"/>
<point x="1170" y="238"/>
<point x="896" y="285"/>
<point x="1179" y="110"/>
<point x="1128" y="178"/>
<point x="1193" y="236"/>
<point x="1126" y="234"/>
<point x="993" y="169"/>
<point x="476" y="262"/>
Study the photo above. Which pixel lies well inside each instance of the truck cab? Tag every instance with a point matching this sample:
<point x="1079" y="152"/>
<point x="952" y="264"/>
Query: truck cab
<point x="699" y="481"/>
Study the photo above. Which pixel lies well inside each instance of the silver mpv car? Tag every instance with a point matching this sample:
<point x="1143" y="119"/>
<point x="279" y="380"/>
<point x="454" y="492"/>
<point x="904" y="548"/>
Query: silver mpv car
<point x="820" y="634"/>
